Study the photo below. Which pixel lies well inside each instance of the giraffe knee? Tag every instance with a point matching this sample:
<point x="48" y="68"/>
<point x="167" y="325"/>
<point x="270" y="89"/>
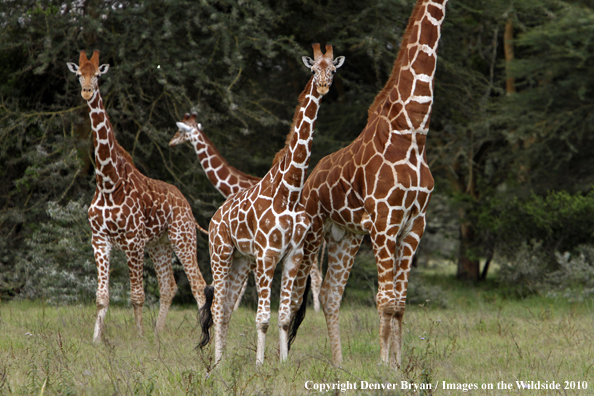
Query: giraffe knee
<point x="102" y="300"/>
<point x="392" y="311"/>
<point x="263" y="327"/>
<point x="137" y="300"/>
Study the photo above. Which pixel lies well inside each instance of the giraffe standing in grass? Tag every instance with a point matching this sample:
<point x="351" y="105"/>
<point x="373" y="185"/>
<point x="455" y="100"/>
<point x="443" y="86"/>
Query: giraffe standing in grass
<point x="133" y="213"/>
<point x="379" y="185"/>
<point x="228" y="181"/>
<point x="258" y="227"/>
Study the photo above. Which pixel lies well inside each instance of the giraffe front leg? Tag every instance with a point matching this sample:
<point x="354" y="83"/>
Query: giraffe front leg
<point x="135" y="268"/>
<point x="341" y="255"/>
<point x="102" y="250"/>
<point x="161" y="254"/>
<point x="264" y="272"/>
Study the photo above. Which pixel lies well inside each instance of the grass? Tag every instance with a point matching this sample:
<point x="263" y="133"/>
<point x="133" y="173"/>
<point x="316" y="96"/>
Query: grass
<point x="482" y="338"/>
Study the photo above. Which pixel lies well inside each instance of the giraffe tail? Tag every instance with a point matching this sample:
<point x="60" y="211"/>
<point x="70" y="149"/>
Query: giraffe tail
<point x="300" y="314"/>
<point x="202" y="230"/>
<point x="206" y="321"/>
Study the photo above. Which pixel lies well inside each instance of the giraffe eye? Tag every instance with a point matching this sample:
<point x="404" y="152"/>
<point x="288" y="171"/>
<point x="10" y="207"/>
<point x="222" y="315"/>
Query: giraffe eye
<point x="313" y="71"/>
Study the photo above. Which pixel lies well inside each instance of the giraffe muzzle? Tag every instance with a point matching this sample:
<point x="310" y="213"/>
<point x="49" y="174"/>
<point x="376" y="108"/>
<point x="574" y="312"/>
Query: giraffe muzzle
<point x="323" y="89"/>
<point x="86" y="93"/>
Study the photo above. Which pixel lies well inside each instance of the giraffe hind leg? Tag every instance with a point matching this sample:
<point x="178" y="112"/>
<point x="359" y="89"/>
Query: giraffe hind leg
<point x="135" y="268"/>
<point x="341" y="256"/>
<point x="161" y="254"/>
<point x="241" y="293"/>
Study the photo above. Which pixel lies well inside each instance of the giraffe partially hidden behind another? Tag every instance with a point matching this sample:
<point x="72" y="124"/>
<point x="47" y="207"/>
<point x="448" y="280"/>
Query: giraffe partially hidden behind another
<point x="132" y="212"/>
<point x="258" y="227"/>
<point x="228" y="181"/>
<point x="379" y="185"/>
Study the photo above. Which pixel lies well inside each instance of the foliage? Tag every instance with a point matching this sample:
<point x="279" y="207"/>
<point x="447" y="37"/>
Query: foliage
<point x="238" y="65"/>
<point x="532" y="270"/>
<point x="560" y="221"/>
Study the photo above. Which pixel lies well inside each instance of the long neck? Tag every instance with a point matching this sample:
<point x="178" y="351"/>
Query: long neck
<point x="294" y="165"/>
<point x="106" y="147"/>
<point x="225" y="178"/>
<point x="407" y="98"/>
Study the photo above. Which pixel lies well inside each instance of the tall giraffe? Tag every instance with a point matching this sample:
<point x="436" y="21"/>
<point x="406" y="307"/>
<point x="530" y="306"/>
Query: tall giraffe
<point x="228" y="181"/>
<point x="379" y="185"/>
<point x="132" y="213"/>
<point x="256" y="228"/>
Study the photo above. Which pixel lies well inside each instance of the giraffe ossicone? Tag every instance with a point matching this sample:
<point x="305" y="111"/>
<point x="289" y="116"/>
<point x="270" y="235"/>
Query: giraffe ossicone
<point x="133" y="213"/>
<point x="379" y="185"/>
<point x="258" y="227"/>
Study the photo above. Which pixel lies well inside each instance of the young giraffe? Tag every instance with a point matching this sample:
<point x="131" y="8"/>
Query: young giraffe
<point x="228" y="181"/>
<point x="132" y="212"/>
<point x="256" y="228"/>
<point x="379" y="185"/>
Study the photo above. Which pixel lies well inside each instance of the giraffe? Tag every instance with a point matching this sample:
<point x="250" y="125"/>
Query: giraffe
<point x="132" y="213"/>
<point x="258" y="227"/>
<point x="379" y="185"/>
<point x="228" y="181"/>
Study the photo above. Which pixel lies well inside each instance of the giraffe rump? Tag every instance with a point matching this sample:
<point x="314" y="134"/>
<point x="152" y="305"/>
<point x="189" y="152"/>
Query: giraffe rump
<point x="379" y="99"/>
<point x="206" y="321"/>
<point x="297" y="319"/>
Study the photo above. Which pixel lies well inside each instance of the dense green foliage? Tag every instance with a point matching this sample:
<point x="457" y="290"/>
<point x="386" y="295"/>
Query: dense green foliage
<point x="495" y="156"/>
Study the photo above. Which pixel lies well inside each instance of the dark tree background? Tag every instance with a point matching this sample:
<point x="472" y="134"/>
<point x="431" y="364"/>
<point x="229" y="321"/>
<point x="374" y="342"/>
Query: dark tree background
<point x="509" y="146"/>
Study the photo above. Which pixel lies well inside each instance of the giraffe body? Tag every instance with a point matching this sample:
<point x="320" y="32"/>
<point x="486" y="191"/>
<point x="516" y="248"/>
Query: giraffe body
<point x="258" y="227"/>
<point x="133" y="213"/>
<point x="379" y="185"/>
<point x="227" y="180"/>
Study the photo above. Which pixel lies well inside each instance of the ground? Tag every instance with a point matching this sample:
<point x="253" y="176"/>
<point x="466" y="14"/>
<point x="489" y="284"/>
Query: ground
<point x="482" y="339"/>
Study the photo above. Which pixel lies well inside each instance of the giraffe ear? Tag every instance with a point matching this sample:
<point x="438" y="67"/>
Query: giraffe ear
<point x="73" y="67"/>
<point x="103" y="69"/>
<point x="307" y="61"/>
<point x="338" y="61"/>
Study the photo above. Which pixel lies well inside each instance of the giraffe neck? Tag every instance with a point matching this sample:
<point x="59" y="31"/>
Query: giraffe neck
<point x="296" y="161"/>
<point x="107" y="174"/>
<point x="407" y="98"/>
<point x="225" y="178"/>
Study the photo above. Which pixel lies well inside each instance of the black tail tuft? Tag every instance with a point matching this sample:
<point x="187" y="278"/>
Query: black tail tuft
<point x="300" y="314"/>
<point x="206" y="316"/>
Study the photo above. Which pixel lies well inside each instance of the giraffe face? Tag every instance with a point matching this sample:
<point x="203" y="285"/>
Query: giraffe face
<point x="186" y="133"/>
<point x="88" y="72"/>
<point x="189" y="130"/>
<point x="323" y="67"/>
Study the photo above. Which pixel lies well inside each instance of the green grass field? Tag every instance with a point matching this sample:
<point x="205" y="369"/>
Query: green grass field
<point x="482" y="339"/>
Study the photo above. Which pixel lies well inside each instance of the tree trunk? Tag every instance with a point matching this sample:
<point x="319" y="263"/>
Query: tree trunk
<point x="467" y="268"/>
<point x="508" y="47"/>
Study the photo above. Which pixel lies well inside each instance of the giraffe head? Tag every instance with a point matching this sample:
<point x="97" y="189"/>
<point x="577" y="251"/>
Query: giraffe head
<point x="88" y="72"/>
<point x="323" y="67"/>
<point x="188" y="129"/>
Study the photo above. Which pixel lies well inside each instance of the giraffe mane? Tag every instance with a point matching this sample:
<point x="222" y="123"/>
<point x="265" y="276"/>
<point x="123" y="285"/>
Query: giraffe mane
<point x="282" y="152"/>
<point x="379" y="99"/>
<point x="125" y="154"/>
